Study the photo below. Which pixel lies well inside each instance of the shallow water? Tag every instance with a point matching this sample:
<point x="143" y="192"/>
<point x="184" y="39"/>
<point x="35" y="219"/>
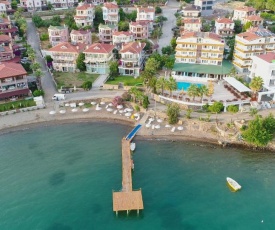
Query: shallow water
<point x="61" y="178"/>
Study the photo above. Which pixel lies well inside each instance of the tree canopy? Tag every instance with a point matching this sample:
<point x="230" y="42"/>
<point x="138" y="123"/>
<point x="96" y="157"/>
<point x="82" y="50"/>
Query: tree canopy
<point x="80" y="64"/>
<point x="173" y="112"/>
<point x="260" y="131"/>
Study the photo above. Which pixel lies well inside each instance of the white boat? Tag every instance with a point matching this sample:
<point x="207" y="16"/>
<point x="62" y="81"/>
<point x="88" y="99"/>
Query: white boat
<point x="233" y="184"/>
<point x="133" y="146"/>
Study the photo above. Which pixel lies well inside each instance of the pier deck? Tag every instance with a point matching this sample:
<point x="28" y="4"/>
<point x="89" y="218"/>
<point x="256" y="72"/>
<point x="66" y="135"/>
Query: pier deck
<point x="127" y="199"/>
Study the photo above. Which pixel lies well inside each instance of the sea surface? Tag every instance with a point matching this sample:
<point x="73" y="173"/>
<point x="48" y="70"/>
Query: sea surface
<point x="62" y="177"/>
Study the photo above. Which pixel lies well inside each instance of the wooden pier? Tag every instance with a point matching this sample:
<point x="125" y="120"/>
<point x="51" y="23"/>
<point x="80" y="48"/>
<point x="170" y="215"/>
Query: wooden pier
<point x="127" y="199"/>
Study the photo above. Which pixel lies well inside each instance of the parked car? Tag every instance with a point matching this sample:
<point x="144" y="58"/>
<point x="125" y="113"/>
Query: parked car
<point x="175" y="28"/>
<point x="25" y="60"/>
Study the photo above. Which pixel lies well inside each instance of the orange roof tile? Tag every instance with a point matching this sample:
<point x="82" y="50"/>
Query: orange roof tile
<point x="245" y="8"/>
<point x="9" y="69"/>
<point x="224" y="20"/>
<point x="139" y="23"/>
<point x="269" y="57"/>
<point x="248" y="36"/>
<point x="254" y="18"/>
<point x="80" y="32"/>
<point x="99" y="48"/>
<point x="66" y="47"/>
<point x="110" y="5"/>
<point x="120" y="33"/>
<point x="133" y="47"/>
<point x="192" y="20"/>
<point x="4" y="37"/>
<point x="201" y="35"/>
<point x="85" y="7"/>
<point x="145" y="9"/>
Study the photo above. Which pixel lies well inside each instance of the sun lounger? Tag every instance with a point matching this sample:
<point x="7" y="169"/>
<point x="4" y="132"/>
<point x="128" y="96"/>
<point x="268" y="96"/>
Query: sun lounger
<point x="268" y="105"/>
<point x="173" y="129"/>
<point x="115" y="112"/>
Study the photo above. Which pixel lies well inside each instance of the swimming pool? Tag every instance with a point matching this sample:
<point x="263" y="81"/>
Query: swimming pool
<point x="185" y="85"/>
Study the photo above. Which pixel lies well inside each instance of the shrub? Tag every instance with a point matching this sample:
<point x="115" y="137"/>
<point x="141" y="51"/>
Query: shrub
<point x="188" y="113"/>
<point x="44" y="37"/>
<point x="173" y="111"/>
<point x="145" y="102"/>
<point x="87" y="85"/>
<point x="38" y="93"/>
<point x="233" y="108"/>
<point x="216" y="107"/>
<point x="137" y="108"/>
<point x="126" y="96"/>
<point x="158" y="10"/>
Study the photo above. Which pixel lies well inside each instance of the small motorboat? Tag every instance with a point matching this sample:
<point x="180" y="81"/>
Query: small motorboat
<point x="133" y="146"/>
<point x="233" y="184"/>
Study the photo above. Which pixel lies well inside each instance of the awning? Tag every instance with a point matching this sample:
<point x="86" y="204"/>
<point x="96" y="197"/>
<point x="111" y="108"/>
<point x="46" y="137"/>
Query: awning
<point x="237" y="84"/>
<point x="14" y="93"/>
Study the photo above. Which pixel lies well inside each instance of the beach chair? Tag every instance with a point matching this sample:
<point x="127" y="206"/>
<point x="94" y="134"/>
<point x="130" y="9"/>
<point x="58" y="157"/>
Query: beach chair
<point x="115" y="112"/>
<point x="173" y="129"/>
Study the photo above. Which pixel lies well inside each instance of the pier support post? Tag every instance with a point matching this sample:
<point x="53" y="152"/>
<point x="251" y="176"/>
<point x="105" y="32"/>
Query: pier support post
<point x="116" y="213"/>
<point x="127" y="212"/>
<point x="138" y="212"/>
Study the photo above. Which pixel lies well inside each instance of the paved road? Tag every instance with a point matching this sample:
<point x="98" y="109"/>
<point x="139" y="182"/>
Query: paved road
<point x="169" y="12"/>
<point x="46" y="80"/>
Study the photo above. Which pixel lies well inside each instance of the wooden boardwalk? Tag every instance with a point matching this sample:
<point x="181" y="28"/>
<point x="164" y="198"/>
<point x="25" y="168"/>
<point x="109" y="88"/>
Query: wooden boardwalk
<point x="127" y="199"/>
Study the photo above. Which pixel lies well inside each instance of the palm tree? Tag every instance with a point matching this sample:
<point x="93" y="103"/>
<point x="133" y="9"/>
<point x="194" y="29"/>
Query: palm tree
<point x="31" y="53"/>
<point x="161" y="84"/>
<point x="202" y="90"/>
<point x="256" y="84"/>
<point x="192" y="91"/>
<point x="35" y="66"/>
<point x="38" y="74"/>
<point x="171" y="84"/>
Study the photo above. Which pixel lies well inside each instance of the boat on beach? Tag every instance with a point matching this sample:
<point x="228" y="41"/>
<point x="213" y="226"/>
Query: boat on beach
<point x="233" y="184"/>
<point x="133" y="146"/>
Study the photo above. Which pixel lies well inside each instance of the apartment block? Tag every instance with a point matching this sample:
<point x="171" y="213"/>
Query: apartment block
<point x="84" y="15"/>
<point x="224" y="27"/>
<point x="98" y="57"/>
<point x="191" y="11"/>
<point x="256" y="41"/>
<point x="140" y="29"/>
<point x="240" y="13"/>
<point x="192" y="24"/>
<point x="256" y="20"/>
<point x="81" y="36"/>
<point x="110" y="13"/>
<point x="105" y="32"/>
<point x="122" y="37"/>
<point x="205" y="5"/>
<point x="58" y="34"/>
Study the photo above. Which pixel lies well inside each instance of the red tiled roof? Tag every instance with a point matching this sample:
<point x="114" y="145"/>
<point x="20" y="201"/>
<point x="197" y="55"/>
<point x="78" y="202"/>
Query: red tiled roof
<point x="192" y="20"/>
<point x="269" y="57"/>
<point x="13" y="29"/>
<point x="66" y="47"/>
<point x="245" y="8"/>
<point x="11" y="69"/>
<point x="255" y="33"/>
<point x="133" y="47"/>
<point x="5" y="20"/>
<point x="201" y="35"/>
<point x="80" y="32"/>
<point x="224" y="20"/>
<point x="121" y="33"/>
<point x="139" y="23"/>
<point x="254" y="18"/>
<point x="99" y="48"/>
<point x="4" y="38"/>
<point x="110" y="5"/>
<point x="145" y="9"/>
<point x="85" y="7"/>
<point x="248" y="36"/>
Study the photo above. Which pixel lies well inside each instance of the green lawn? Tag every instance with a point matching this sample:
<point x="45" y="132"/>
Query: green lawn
<point x="73" y="79"/>
<point x="126" y="80"/>
<point x="16" y="105"/>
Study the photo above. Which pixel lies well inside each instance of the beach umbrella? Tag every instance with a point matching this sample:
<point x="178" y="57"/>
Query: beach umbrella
<point x="62" y="111"/>
<point x="121" y="111"/>
<point x="119" y="106"/>
<point x="85" y="110"/>
<point x="52" y="112"/>
<point x="180" y="128"/>
<point x="67" y="104"/>
<point x="157" y="126"/>
<point x="80" y="103"/>
<point x="98" y="108"/>
<point x="127" y="114"/>
<point x="102" y="103"/>
<point x="167" y="126"/>
<point x="151" y="119"/>
<point x="130" y="110"/>
<point x="148" y="125"/>
<point x="93" y="103"/>
<point x="109" y="109"/>
<point x="110" y="104"/>
<point x="136" y="114"/>
<point x="74" y="110"/>
<point x="159" y="120"/>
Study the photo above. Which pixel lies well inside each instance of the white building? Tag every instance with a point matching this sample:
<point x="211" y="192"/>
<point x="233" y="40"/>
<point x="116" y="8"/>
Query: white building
<point x="255" y="41"/>
<point x="35" y="5"/>
<point x="224" y="27"/>
<point x="4" y="7"/>
<point x="84" y="15"/>
<point x="240" y="13"/>
<point x="110" y="13"/>
<point x="205" y="5"/>
<point x="264" y="67"/>
<point x="122" y="37"/>
<point x="192" y="24"/>
<point x="191" y="11"/>
<point x="132" y="58"/>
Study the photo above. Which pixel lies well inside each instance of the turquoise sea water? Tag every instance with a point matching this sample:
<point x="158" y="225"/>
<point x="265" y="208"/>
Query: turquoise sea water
<point x="185" y="85"/>
<point x="61" y="178"/>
